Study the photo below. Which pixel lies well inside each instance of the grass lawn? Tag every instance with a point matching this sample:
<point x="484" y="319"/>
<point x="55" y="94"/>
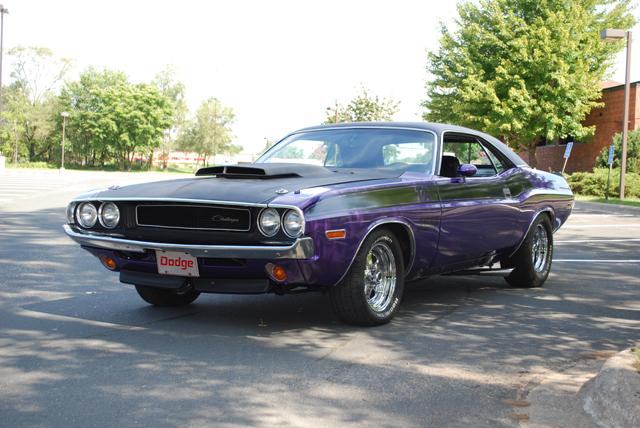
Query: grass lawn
<point x="631" y="202"/>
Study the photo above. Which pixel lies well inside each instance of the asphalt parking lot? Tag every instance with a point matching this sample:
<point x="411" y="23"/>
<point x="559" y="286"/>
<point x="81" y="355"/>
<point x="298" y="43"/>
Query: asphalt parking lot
<point x="77" y="348"/>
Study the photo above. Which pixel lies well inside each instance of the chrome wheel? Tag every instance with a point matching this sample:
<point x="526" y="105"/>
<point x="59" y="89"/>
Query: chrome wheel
<point x="380" y="276"/>
<point x="540" y="249"/>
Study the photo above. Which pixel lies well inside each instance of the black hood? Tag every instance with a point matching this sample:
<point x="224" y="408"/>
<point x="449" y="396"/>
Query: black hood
<point x="254" y="183"/>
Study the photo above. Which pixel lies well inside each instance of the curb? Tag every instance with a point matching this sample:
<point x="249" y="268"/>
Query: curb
<point x="612" y="397"/>
<point x="607" y="208"/>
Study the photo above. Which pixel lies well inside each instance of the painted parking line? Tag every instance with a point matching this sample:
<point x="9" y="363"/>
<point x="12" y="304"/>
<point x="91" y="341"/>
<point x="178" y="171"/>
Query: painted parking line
<point x="574" y="215"/>
<point x="596" y="261"/>
<point x="593" y="226"/>
<point x="595" y="241"/>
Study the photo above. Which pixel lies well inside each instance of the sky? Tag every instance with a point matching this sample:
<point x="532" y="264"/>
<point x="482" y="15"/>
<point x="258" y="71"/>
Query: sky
<point x="279" y="64"/>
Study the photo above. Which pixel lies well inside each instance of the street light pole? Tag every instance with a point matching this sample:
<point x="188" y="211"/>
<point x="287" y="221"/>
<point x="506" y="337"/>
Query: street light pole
<point x="64" y="115"/>
<point x="613" y="35"/>
<point x="625" y="122"/>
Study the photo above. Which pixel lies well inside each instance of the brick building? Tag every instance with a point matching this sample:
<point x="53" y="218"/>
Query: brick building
<point x="608" y="122"/>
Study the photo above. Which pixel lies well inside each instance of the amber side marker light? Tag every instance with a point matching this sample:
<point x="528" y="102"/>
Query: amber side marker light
<point x="336" y="234"/>
<point x="108" y="262"/>
<point x="276" y="272"/>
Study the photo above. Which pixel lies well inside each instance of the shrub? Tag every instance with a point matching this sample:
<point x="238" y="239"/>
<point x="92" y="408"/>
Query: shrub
<point x="633" y="152"/>
<point x="595" y="183"/>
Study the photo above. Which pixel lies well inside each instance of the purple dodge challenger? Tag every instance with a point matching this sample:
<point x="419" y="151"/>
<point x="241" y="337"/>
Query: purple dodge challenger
<point x="355" y="210"/>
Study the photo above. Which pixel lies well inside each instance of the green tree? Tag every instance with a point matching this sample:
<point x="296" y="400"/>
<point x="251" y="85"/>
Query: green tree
<point x="209" y="133"/>
<point x="30" y="105"/>
<point x="174" y="90"/>
<point x="363" y="108"/>
<point x="525" y="70"/>
<point x="633" y="152"/>
<point x="88" y="126"/>
<point x="112" y="119"/>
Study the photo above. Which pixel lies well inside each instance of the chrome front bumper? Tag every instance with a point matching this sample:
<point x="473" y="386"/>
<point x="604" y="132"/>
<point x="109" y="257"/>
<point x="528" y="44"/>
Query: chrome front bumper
<point x="302" y="248"/>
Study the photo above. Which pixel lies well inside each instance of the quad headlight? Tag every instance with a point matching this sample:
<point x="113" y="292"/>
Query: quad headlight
<point x="109" y="215"/>
<point x="87" y="215"/>
<point x="293" y="223"/>
<point x="269" y="222"/>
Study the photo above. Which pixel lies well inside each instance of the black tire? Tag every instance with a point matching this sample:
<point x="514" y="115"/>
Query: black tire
<point x="165" y="297"/>
<point x="527" y="273"/>
<point x="348" y="298"/>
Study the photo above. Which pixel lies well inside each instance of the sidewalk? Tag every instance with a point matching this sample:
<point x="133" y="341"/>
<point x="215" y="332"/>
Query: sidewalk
<point x="606" y="208"/>
<point x="577" y="398"/>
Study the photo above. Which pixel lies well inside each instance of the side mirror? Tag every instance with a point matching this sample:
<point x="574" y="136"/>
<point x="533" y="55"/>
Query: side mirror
<point x="467" y="170"/>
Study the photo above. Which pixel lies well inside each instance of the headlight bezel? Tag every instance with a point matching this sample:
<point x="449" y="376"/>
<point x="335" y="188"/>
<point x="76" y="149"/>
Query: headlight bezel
<point x="261" y="228"/>
<point x="101" y="219"/>
<point x="71" y="212"/>
<point x="79" y="211"/>
<point x="300" y="231"/>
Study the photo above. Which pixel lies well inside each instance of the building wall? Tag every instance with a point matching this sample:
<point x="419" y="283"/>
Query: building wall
<point x="607" y="121"/>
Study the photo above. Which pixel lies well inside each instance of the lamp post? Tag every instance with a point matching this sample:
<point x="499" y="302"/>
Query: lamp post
<point x="614" y="35"/>
<point x="64" y="115"/>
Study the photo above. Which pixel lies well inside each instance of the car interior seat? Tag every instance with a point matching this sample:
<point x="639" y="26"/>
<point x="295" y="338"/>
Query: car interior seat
<point x="449" y="166"/>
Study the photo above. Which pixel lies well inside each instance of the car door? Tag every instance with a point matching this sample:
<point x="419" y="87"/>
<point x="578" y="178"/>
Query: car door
<point x="477" y="212"/>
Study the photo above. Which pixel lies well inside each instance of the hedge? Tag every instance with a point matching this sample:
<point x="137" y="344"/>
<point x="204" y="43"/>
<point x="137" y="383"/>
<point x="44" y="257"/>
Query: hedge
<point x="595" y="183"/>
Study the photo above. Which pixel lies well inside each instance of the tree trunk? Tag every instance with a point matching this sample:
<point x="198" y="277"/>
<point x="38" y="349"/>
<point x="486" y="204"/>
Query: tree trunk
<point x="532" y="152"/>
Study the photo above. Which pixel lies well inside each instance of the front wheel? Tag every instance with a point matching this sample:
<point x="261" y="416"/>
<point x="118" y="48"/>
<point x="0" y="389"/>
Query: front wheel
<point x="165" y="297"/>
<point x="371" y="291"/>
<point x="532" y="262"/>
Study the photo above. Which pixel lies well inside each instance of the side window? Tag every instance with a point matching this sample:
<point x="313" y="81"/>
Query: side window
<point x="458" y="151"/>
<point x="498" y="160"/>
<point x="409" y="153"/>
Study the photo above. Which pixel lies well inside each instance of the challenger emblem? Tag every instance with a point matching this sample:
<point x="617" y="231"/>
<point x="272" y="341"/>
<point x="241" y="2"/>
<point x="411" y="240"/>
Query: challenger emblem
<point x="282" y="191"/>
<point x="223" y="219"/>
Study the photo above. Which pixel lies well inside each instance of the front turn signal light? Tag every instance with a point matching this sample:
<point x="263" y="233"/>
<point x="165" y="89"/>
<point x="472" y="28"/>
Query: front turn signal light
<point x="108" y="262"/>
<point x="276" y="272"/>
<point x="336" y="234"/>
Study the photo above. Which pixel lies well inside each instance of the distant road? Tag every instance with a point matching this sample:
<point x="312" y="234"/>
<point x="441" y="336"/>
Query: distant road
<point x="21" y="184"/>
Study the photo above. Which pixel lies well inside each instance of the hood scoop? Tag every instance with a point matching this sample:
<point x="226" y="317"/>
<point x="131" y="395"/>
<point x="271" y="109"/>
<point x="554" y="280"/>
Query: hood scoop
<point x="264" y="171"/>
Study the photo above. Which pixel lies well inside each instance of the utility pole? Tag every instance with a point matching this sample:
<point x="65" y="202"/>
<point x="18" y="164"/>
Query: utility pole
<point x="612" y="34"/>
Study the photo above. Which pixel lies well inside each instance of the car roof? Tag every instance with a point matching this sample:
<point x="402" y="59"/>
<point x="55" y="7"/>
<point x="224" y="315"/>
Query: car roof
<point x="437" y="128"/>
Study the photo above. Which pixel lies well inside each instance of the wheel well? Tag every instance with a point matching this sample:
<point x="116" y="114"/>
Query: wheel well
<point x="551" y="216"/>
<point x="405" y="240"/>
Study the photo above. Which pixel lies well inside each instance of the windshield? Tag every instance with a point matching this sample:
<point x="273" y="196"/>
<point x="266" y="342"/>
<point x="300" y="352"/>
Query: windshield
<point x="384" y="148"/>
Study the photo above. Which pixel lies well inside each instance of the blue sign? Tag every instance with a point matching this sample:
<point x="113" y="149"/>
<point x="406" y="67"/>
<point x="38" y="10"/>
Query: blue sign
<point x="610" y="160"/>
<point x="567" y="151"/>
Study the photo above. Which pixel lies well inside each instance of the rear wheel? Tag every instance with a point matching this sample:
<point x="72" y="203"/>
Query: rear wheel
<point x="532" y="262"/>
<point x="371" y="291"/>
<point x="165" y="297"/>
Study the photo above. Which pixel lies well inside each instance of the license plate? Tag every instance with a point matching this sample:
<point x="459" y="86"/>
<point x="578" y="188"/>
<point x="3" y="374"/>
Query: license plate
<point x="177" y="263"/>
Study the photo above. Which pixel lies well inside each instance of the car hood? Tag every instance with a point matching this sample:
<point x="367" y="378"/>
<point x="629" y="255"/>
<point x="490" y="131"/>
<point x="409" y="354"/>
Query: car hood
<point x="268" y="182"/>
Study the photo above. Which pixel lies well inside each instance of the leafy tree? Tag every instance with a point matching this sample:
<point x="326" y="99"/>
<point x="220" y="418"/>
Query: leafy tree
<point x="174" y="90"/>
<point x="363" y="108"/>
<point x="30" y="105"/>
<point x="633" y="152"/>
<point x="525" y="70"/>
<point x="87" y="126"/>
<point x="209" y="133"/>
<point x="112" y="119"/>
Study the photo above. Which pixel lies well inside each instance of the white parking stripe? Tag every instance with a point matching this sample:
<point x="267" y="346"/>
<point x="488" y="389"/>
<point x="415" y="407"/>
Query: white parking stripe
<point x="596" y="261"/>
<point x="593" y="226"/>
<point x="574" y="215"/>
<point x="588" y="241"/>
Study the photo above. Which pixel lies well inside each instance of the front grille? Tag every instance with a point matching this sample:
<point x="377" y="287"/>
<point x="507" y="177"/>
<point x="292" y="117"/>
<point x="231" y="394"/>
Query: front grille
<point x="197" y="217"/>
